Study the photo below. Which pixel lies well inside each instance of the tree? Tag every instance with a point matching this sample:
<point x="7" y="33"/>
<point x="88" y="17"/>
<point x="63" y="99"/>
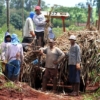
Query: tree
<point x="2" y="13"/>
<point x="16" y="4"/>
<point x="97" y="2"/>
<point x="28" y="4"/>
<point x="16" y="21"/>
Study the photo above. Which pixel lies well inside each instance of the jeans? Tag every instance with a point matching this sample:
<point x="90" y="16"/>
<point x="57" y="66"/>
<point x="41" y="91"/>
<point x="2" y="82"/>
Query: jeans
<point x="13" y="68"/>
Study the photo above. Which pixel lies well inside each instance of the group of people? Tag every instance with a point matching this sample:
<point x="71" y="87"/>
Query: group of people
<point x="11" y="56"/>
<point x="35" y="26"/>
<point x="54" y="56"/>
<point x="12" y="53"/>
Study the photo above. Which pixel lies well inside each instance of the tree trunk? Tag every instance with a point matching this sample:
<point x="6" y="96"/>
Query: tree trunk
<point x="99" y="21"/>
<point x="39" y="2"/>
<point x="88" y="19"/>
<point x="8" y="15"/>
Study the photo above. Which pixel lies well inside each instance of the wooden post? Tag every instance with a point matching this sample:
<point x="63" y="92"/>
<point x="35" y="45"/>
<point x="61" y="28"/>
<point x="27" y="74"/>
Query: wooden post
<point x="22" y="17"/>
<point x="99" y="21"/>
<point x="8" y="15"/>
<point x="96" y="24"/>
<point x="88" y="19"/>
<point x="63" y="22"/>
<point x="39" y="2"/>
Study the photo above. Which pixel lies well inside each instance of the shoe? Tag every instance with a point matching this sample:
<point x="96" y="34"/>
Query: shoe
<point x="73" y="94"/>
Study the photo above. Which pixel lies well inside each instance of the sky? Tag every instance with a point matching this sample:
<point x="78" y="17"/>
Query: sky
<point x="67" y="3"/>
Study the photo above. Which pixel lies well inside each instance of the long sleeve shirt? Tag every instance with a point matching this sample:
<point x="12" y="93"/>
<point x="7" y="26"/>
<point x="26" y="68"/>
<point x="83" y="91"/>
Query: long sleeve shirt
<point x="52" y="55"/>
<point x="13" y="50"/>
<point x="74" y="55"/>
<point x="3" y="50"/>
<point x="29" y="26"/>
<point x="39" y="21"/>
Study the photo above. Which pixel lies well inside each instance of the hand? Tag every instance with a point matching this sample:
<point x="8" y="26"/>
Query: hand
<point x="78" y="66"/>
<point x="47" y="21"/>
<point x="40" y="53"/>
<point x="55" y="62"/>
<point x="4" y="62"/>
<point x="33" y="35"/>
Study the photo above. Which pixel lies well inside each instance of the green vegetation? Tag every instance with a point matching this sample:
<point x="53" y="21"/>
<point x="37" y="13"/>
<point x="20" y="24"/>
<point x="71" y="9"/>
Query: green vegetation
<point x="78" y="14"/>
<point x="92" y="96"/>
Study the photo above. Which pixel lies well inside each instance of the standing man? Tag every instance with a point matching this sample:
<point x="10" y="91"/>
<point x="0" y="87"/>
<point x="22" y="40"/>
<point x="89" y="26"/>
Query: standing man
<point x="53" y="56"/>
<point x="40" y="23"/>
<point x="14" y="56"/>
<point x="74" y="57"/>
<point x="29" y="29"/>
<point x="7" y="39"/>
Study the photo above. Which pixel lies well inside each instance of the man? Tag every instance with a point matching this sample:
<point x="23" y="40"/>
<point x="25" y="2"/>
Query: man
<point x="40" y="23"/>
<point x="7" y="39"/>
<point x="29" y="29"/>
<point x="53" y="56"/>
<point x="14" y="56"/>
<point x="74" y="65"/>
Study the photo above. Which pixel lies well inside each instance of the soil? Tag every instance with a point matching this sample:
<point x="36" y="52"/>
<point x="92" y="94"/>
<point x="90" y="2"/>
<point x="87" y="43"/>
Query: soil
<point x="25" y="92"/>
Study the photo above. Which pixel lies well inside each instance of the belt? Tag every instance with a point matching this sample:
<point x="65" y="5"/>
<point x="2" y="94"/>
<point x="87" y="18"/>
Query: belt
<point x="27" y="37"/>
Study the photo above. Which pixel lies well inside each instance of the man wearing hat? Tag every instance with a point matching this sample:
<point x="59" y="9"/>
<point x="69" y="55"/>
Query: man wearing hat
<point x="14" y="56"/>
<point x="29" y="29"/>
<point x="40" y="23"/>
<point x="53" y="56"/>
<point x="74" y="59"/>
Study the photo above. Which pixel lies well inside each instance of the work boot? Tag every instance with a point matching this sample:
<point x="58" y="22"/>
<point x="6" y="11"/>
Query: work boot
<point x="54" y="85"/>
<point x="44" y="84"/>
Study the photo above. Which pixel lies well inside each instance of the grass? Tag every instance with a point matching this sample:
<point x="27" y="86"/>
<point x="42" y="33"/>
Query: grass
<point x="92" y="96"/>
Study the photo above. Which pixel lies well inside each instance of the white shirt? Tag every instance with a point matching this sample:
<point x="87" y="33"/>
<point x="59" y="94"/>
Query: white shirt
<point x="39" y="21"/>
<point x="13" y="50"/>
<point x="29" y="26"/>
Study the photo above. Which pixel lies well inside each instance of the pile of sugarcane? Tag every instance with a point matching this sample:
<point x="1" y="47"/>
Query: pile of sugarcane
<point x="89" y="42"/>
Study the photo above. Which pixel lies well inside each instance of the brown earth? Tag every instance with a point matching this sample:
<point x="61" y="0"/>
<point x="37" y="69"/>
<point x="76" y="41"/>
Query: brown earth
<point x="27" y="93"/>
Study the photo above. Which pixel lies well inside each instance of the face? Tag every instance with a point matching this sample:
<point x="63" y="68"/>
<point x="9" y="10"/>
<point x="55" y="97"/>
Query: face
<point x="51" y="44"/>
<point x="8" y="39"/>
<point x="37" y="12"/>
<point x="72" y="42"/>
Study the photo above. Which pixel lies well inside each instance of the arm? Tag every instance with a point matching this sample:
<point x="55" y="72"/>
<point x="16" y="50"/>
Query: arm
<point x="78" y="55"/>
<point x="31" y="29"/>
<point x="37" y="22"/>
<point x="22" y="54"/>
<point x="61" y="55"/>
<point x="7" y="53"/>
<point x="78" y="58"/>
<point x="43" y="50"/>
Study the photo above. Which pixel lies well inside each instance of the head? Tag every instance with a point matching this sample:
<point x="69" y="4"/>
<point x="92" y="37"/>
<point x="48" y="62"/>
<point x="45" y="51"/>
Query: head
<point x="51" y="43"/>
<point x="38" y="10"/>
<point x="7" y="37"/>
<point x="31" y="14"/>
<point x="14" y="39"/>
<point x="72" y="39"/>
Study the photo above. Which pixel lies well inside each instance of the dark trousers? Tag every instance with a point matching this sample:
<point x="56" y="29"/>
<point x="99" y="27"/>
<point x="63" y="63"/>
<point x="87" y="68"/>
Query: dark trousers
<point x="50" y="73"/>
<point x="13" y="69"/>
<point x="27" y="40"/>
<point x="40" y="38"/>
<point x="74" y="74"/>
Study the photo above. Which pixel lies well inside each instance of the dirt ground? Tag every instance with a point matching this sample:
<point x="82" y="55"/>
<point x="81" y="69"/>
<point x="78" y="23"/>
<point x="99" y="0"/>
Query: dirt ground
<point x="28" y="93"/>
<point x="21" y="91"/>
